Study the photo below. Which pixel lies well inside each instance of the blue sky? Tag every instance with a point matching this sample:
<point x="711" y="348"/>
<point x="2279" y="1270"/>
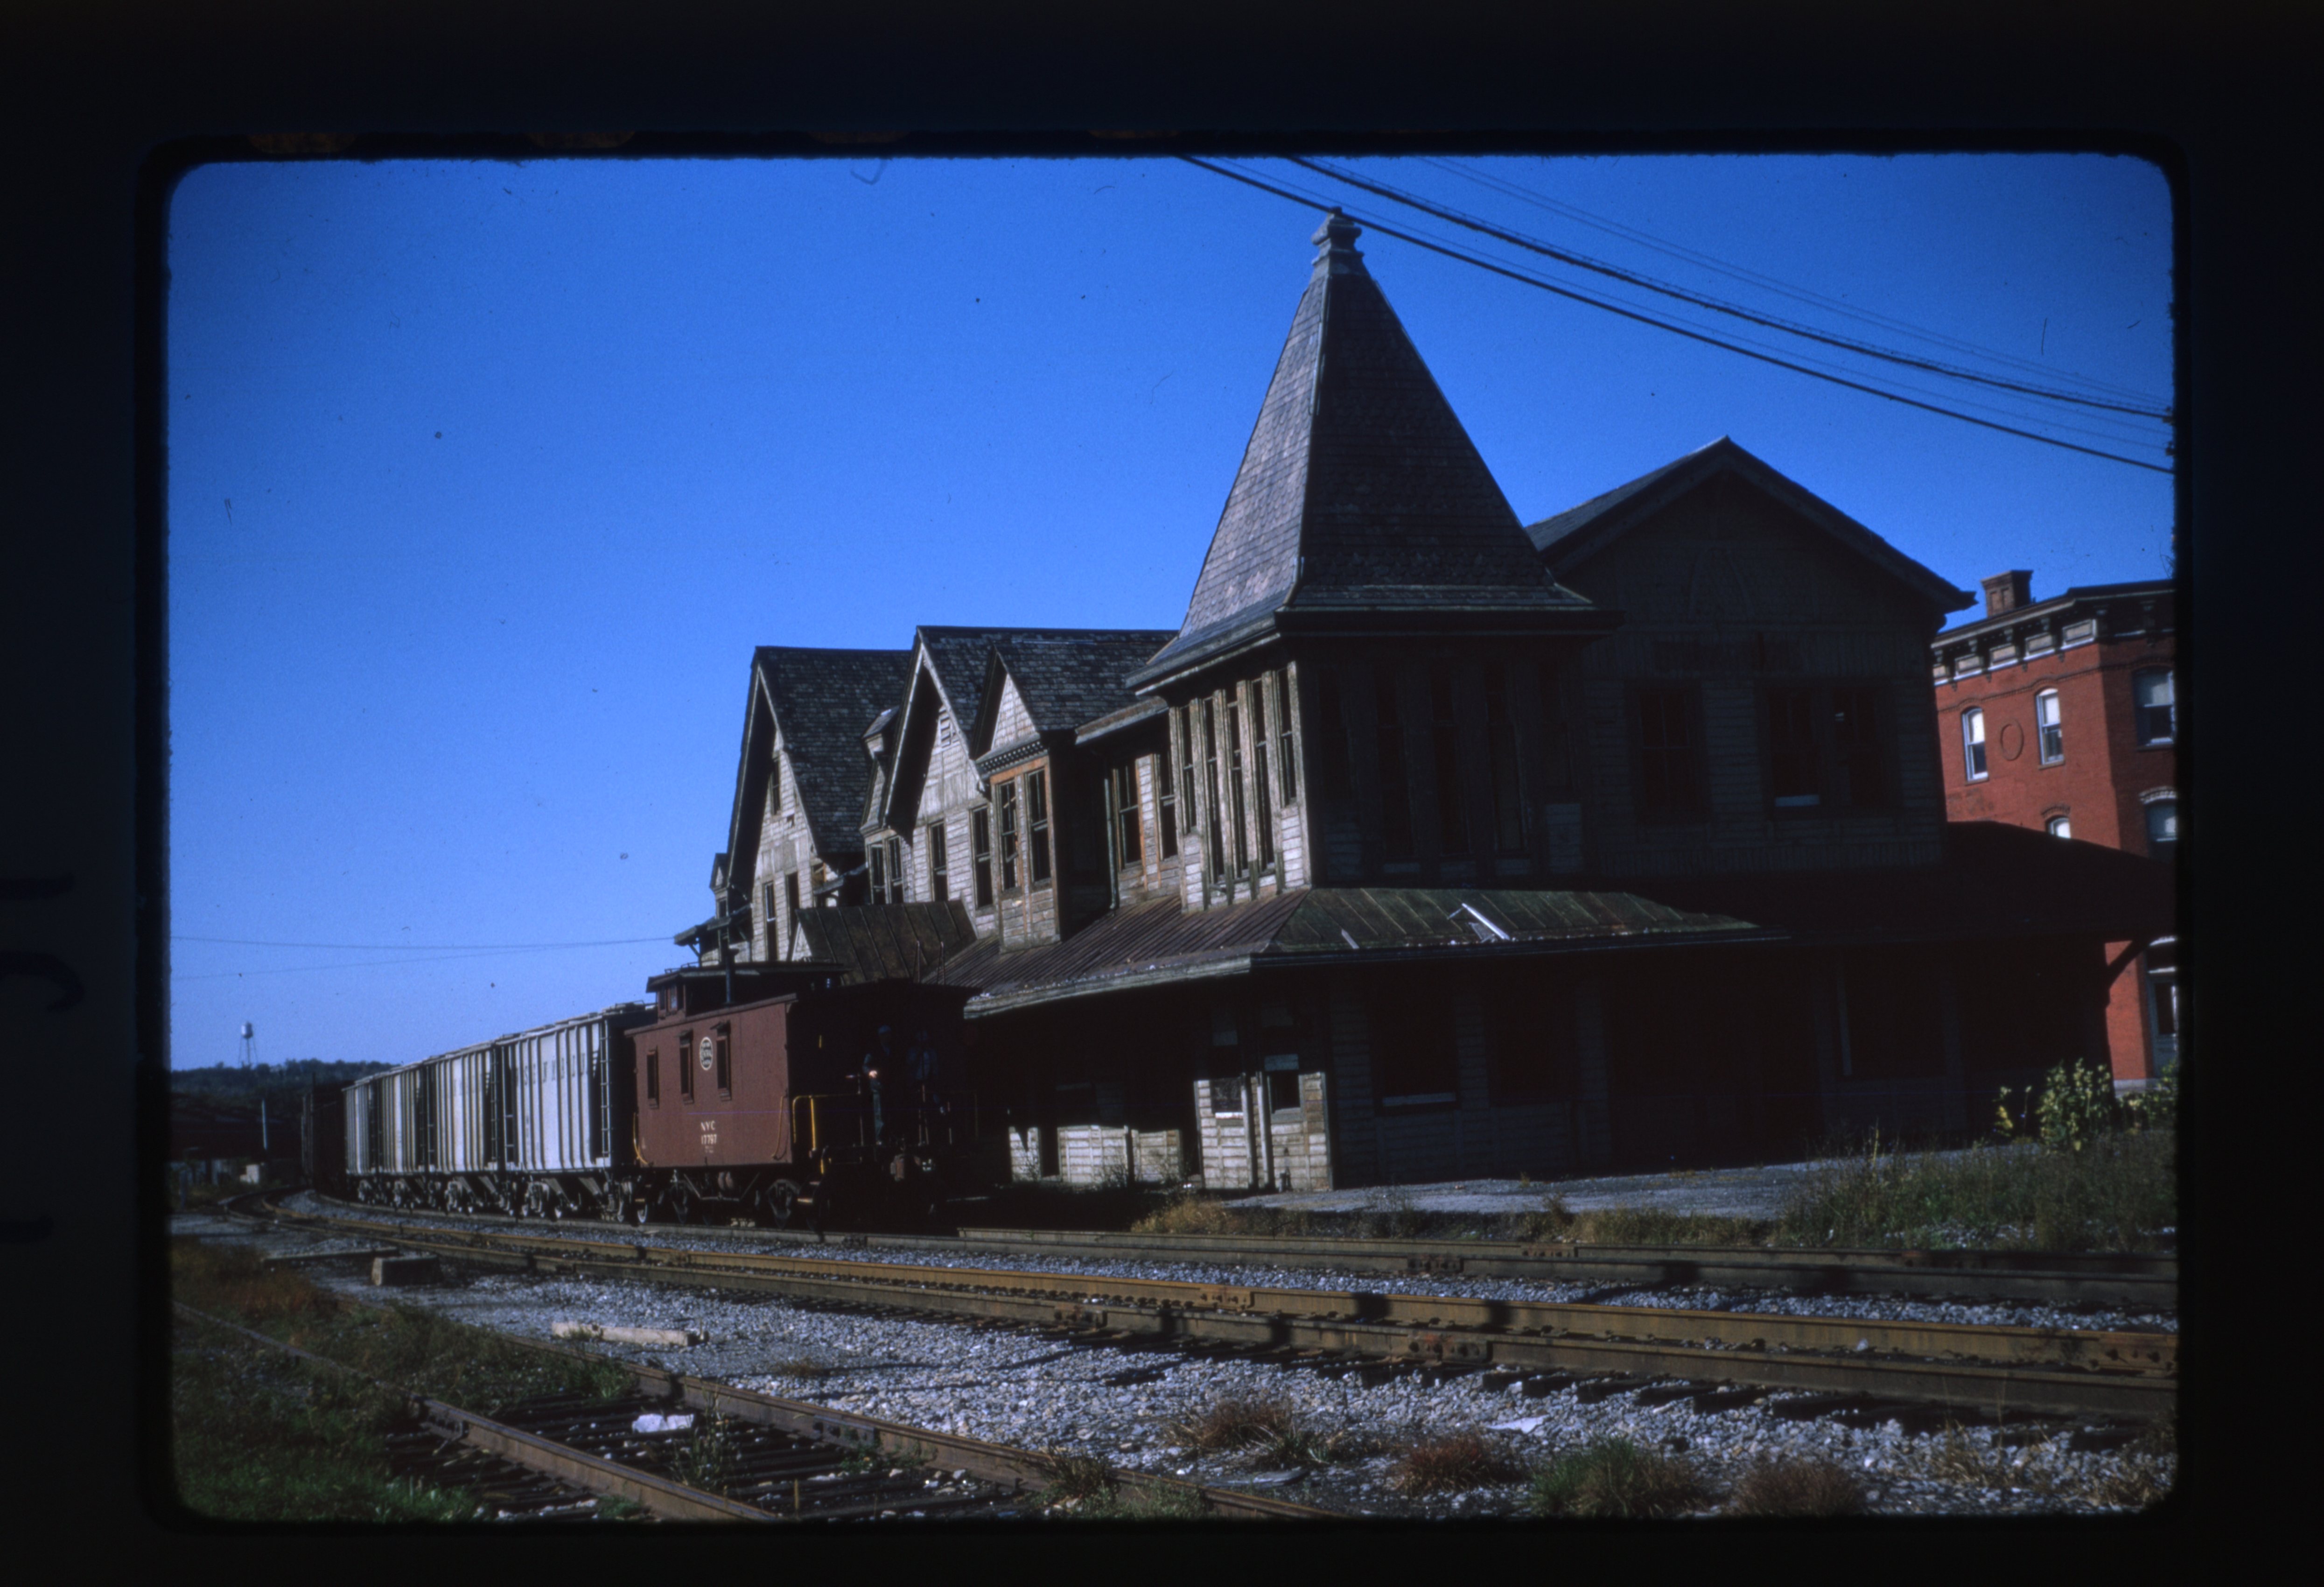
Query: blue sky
<point x="485" y="478"/>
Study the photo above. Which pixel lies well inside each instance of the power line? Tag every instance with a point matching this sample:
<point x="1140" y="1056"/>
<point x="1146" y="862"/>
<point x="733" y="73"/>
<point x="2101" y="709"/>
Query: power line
<point x="1700" y="301"/>
<point x="1643" y="319"/>
<point x="1525" y="195"/>
<point x="381" y="947"/>
<point x="1742" y="343"/>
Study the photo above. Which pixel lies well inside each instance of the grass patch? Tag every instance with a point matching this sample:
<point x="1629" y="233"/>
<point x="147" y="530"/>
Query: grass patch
<point x="1615" y="1477"/>
<point x="1453" y="1463"/>
<point x="1075" y="1477"/>
<point x="1269" y="1430"/>
<point x="711" y="1456"/>
<point x="257" y="1438"/>
<point x="1797" y="1488"/>
<point x="1169" y="1504"/>
<point x="409" y="1347"/>
<point x="2117" y="1194"/>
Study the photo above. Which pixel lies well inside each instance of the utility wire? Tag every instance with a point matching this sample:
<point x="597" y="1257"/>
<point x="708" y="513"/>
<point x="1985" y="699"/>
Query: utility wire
<point x="1792" y="328"/>
<point x="1742" y="343"/>
<point x="1708" y="339"/>
<point x="1799" y="294"/>
<point x="381" y="948"/>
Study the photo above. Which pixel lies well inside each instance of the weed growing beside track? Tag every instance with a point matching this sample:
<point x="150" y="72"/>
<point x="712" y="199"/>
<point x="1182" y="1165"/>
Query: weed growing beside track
<point x="256" y="1436"/>
<point x="1615" y="1477"/>
<point x="1797" y="1487"/>
<point x="2117" y="1193"/>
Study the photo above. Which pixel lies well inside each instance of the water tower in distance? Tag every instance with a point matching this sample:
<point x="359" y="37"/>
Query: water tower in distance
<point x="249" y="1044"/>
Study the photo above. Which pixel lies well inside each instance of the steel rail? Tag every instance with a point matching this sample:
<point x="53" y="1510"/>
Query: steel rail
<point x="593" y="1473"/>
<point x="2134" y="1279"/>
<point x="2057" y="1369"/>
<point x="2131" y="1280"/>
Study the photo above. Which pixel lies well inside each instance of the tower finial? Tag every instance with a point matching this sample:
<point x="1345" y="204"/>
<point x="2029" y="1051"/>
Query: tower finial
<point x="1337" y="237"/>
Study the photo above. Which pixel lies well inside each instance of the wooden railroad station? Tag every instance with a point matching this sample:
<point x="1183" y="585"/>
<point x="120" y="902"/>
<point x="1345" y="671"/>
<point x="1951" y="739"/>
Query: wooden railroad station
<point x="1430" y="843"/>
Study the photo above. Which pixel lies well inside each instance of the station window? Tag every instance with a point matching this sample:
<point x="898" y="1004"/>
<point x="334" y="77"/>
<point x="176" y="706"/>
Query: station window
<point x="1793" y="781"/>
<point x="1412" y="1049"/>
<point x="1501" y="752"/>
<point x="2050" y="726"/>
<point x="1396" y="793"/>
<point x="980" y="832"/>
<point x="1262" y="787"/>
<point x="939" y="869"/>
<point x="1285" y="758"/>
<point x="1973" y="742"/>
<point x="1857" y="747"/>
<point x="1036" y="811"/>
<point x="1126" y="825"/>
<point x="2156" y="715"/>
<point x="1008" y="835"/>
<point x="1670" y="781"/>
<point x="1451" y="805"/>
<point x="790" y="903"/>
<point x="1166" y="800"/>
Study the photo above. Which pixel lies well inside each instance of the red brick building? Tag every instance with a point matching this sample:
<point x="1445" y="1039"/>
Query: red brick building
<point x="2061" y="714"/>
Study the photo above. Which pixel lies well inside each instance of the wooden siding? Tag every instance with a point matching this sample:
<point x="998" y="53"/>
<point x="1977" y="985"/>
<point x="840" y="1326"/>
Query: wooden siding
<point x="1725" y="594"/>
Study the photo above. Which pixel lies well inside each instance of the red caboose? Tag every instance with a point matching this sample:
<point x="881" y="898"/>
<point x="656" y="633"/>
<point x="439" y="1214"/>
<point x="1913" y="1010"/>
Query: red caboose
<point x="807" y="1098"/>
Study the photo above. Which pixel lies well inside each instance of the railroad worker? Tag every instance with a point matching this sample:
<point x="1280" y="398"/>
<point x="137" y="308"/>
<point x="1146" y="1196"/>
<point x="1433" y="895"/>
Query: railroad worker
<point x="882" y="1056"/>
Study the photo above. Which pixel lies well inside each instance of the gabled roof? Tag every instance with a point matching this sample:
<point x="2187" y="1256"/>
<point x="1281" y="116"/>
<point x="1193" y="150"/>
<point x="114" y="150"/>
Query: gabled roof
<point x="885" y="942"/>
<point x="1359" y="492"/>
<point x="1065" y="676"/>
<point x="1572" y="536"/>
<point x="821" y="700"/>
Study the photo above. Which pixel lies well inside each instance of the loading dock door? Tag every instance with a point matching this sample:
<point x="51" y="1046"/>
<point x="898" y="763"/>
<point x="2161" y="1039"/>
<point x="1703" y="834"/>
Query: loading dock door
<point x="1268" y="1129"/>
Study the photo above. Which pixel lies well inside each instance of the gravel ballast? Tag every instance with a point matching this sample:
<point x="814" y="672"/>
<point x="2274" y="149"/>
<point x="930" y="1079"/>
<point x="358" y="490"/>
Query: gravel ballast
<point x="1121" y="1403"/>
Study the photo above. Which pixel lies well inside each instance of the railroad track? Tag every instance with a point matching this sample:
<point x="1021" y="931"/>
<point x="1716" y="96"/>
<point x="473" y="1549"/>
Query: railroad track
<point x="784" y="1460"/>
<point x="1991" y="1369"/>
<point x="2140" y="1280"/>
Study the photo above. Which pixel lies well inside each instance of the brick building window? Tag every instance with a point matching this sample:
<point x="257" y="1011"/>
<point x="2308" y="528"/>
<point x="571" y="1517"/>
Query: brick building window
<point x="939" y="871"/>
<point x="2061" y="826"/>
<point x="1036" y="810"/>
<point x="1501" y="763"/>
<point x="2049" y="727"/>
<point x="2151" y="696"/>
<point x="1972" y="723"/>
<point x="1670" y="779"/>
<point x="2162" y="828"/>
<point x="1452" y="808"/>
<point x="1009" y="838"/>
<point x="1396" y="792"/>
<point x="979" y="832"/>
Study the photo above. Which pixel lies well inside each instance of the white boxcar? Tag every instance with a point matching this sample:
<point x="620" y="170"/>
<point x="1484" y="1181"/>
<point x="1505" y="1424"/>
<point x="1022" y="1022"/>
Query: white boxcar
<point x="529" y="1123"/>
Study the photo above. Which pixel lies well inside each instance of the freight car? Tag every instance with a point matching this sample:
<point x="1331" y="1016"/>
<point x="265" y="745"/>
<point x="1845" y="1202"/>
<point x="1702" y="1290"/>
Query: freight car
<point x="525" y="1125"/>
<point x="789" y="1103"/>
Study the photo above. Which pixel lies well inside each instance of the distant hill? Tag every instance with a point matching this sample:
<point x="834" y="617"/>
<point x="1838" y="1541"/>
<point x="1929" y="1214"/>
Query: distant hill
<point x="230" y="1084"/>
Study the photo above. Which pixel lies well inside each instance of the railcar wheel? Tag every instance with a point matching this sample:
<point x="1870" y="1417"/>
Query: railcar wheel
<point x="781" y="1205"/>
<point x="680" y="1202"/>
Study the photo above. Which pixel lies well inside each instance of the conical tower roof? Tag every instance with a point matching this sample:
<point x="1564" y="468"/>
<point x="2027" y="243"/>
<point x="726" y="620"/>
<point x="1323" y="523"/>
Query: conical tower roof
<point x="1361" y="497"/>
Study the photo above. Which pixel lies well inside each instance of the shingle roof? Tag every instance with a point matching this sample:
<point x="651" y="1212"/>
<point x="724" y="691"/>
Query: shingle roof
<point x="1572" y="536"/>
<point x="1067" y="677"/>
<point x="887" y="942"/>
<point x="1358" y="490"/>
<point x="822" y="700"/>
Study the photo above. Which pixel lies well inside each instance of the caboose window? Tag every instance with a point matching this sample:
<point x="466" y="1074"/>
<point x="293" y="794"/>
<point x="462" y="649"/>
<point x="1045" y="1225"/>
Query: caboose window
<point x="686" y="1065"/>
<point x="724" y="1048"/>
<point x="653" y="1077"/>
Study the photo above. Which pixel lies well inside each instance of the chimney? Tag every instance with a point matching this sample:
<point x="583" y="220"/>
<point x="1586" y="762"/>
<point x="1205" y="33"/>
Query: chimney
<point x="2005" y="592"/>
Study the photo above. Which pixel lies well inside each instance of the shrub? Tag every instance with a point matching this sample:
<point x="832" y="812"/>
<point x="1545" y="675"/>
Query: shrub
<point x="1269" y="1428"/>
<point x="1796" y="1487"/>
<point x="2077" y="1106"/>
<point x="1615" y="1478"/>
<point x="1453" y="1464"/>
<point x="1074" y="1477"/>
